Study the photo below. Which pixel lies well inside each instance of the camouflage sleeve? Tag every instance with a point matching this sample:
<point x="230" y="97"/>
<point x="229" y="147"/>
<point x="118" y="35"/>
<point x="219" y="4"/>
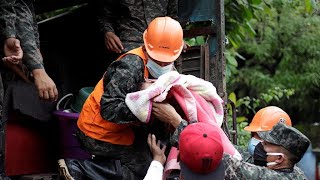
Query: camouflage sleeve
<point x="174" y="138"/>
<point x="7" y="19"/>
<point x="122" y="77"/>
<point x="246" y="156"/>
<point x="298" y="174"/>
<point x="235" y="169"/>
<point x="172" y="9"/>
<point x="106" y="16"/>
<point x="17" y="19"/>
<point x="27" y="33"/>
<point x="35" y="29"/>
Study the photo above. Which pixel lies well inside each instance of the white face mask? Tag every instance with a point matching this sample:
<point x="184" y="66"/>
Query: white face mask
<point x="156" y="70"/>
<point x="273" y="154"/>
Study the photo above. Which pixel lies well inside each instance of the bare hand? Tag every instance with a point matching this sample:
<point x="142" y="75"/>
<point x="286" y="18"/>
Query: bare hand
<point x="12" y="51"/>
<point x="158" y="153"/>
<point x="45" y="85"/>
<point x="185" y="46"/>
<point x="112" y="42"/>
<point x="166" y="113"/>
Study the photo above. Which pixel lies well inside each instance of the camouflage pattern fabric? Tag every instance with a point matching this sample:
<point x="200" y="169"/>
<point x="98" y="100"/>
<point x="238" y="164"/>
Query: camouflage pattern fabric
<point x="246" y="156"/>
<point x="122" y="77"/>
<point x="130" y="45"/>
<point x="129" y="18"/>
<point x="235" y="169"/>
<point x="288" y="137"/>
<point x="17" y="19"/>
<point x="176" y="134"/>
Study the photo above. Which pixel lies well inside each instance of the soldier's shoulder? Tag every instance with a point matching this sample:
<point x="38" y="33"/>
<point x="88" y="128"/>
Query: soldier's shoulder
<point x="297" y="172"/>
<point x="130" y="60"/>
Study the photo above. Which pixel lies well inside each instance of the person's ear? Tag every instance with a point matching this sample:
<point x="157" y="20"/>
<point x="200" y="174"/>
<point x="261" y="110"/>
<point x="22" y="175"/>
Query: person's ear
<point x="280" y="159"/>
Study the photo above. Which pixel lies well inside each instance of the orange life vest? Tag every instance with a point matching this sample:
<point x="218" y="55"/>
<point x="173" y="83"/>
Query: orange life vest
<point x="91" y="123"/>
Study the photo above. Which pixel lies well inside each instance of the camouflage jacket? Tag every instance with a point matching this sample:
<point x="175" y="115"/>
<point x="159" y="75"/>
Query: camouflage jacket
<point x="129" y="18"/>
<point x="246" y="156"/>
<point x="17" y="19"/>
<point x="122" y="77"/>
<point x="7" y="19"/>
<point x="235" y="169"/>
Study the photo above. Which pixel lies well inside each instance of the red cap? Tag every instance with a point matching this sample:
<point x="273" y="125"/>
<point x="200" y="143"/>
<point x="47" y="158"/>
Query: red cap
<point x="200" y="147"/>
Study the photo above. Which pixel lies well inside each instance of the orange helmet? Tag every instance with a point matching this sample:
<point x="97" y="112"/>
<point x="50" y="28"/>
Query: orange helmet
<point x="266" y="118"/>
<point x="163" y="39"/>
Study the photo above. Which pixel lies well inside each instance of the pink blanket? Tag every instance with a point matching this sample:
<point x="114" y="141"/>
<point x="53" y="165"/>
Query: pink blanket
<point x="188" y="90"/>
<point x="197" y="98"/>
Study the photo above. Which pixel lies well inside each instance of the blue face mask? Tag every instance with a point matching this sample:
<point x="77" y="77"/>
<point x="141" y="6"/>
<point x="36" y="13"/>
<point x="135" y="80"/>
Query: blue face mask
<point x="156" y="70"/>
<point x="252" y="145"/>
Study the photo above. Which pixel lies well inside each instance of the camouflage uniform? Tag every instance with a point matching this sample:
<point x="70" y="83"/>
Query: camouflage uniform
<point x="236" y="169"/>
<point x="17" y="19"/>
<point x="289" y="138"/>
<point x="246" y="156"/>
<point x="122" y="77"/>
<point x="129" y="18"/>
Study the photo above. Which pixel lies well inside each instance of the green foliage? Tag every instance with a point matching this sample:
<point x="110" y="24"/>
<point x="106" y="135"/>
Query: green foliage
<point x="231" y="62"/>
<point x="195" y="41"/>
<point x="242" y="135"/>
<point x="283" y="59"/>
<point x="276" y="94"/>
<point x="238" y="14"/>
<point x="247" y="105"/>
<point x="238" y="103"/>
<point x="311" y="131"/>
<point x="199" y="40"/>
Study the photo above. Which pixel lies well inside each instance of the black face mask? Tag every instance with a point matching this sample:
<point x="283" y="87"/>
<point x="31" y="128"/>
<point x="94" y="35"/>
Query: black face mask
<point x="260" y="155"/>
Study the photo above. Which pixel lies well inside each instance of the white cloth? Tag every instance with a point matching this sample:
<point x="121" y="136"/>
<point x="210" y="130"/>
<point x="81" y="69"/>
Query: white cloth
<point x="155" y="171"/>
